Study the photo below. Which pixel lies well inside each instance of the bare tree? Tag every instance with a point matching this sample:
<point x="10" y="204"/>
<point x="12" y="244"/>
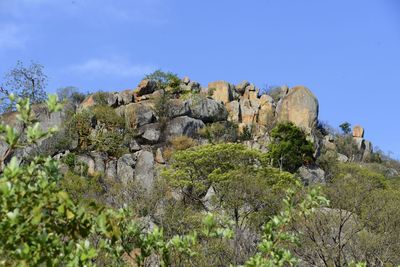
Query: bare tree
<point x="25" y="82"/>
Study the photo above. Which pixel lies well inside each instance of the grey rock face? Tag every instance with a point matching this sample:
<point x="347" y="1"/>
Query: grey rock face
<point x="150" y="133"/>
<point x="137" y="115"/>
<point x="88" y="161"/>
<point x="208" y="110"/>
<point x="183" y="126"/>
<point x="99" y="161"/>
<point x="126" y="168"/>
<point x="144" y="170"/>
<point x="342" y="158"/>
<point x="125" y="97"/>
<point x="178" y="107"/>
<point x="111" y="169"/>
<point x="311" y="175"/>
<point x="146" y="87"/>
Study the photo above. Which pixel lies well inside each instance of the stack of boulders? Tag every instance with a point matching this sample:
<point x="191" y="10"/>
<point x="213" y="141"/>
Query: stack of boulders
<point x="364" y="146"/>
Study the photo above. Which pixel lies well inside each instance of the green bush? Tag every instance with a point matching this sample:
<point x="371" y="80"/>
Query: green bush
<point x="220" y="132"/>
<point x="289" y="148"/>
<point x="165" y="80"/>
<point x="107" y="116"/>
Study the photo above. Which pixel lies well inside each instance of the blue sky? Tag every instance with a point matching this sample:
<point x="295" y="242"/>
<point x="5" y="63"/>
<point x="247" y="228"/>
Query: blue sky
<point x="346" y="52"/>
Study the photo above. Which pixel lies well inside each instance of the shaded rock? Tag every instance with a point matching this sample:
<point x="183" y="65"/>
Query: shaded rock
<point x="145" y="169"/>
<point x="191" y="86"/>
<point x="311" y="175"/>
<point x="177" y="108"/>
<point x="368" y="151"/>
<point x="299" y="106"/>
<point x="233" y="109"/>
<point x="222" y="91"/>
<point x="279" y="92"/>
<point x="145" y="87"/>
<point x="88" y="161"/>
<point x="358" y="131"/>
<point x="137" y="115"/>
<point x="159" y="156"/>
<point x="99" y="161"/>
<point x="150" y="133"/>
<point x="125" y="97"/>
<point x="241" y="87"/>
<point x="342" y="158"/>
<point x="126" y="168"/>
<point x="250" y="92"/>
<point x="248" y="112"/>
<point x="120" y="111"/>
<point x="328" y="142"/>
<point x="360" y="142"/>
<point x="208" y="199"/>
<point x="111" y="169"/>
<point x="207" y="110"/>
<point x="183" y="126"/>
<point x="134" y="146"/>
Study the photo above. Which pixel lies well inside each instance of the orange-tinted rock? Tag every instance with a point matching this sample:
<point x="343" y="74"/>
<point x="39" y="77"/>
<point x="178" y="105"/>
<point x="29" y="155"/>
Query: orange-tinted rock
<point x="358" y="131"/>
<point x="299" y="106"/>
<point x="222" y="91"/>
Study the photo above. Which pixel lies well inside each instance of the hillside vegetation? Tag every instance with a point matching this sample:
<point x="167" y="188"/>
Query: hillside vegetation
<point x="176" y="174"/>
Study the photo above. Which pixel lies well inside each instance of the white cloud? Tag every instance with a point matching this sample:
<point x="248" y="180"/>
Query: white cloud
<point x="12" y="36"/>
<point x="113" y="67"/>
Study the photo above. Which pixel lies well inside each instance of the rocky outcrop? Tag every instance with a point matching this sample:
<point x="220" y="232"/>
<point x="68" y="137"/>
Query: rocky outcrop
<point x="221" y="91"/>
<point x="207" y="110"/>
<point x="183" y="126"/>
<point x="145" y="87"/>
<point x="137" y="115"/>
<point x="299" y="106"/>
<point x="126" y="168"/>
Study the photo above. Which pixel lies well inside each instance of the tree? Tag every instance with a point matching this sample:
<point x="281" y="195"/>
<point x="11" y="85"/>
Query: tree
<point x="346" y="127"/>
<point x="165" y="80"/>
<point x="289" y="148"/>
<point x="71" y="94"/>
<point x="24" y="82"/>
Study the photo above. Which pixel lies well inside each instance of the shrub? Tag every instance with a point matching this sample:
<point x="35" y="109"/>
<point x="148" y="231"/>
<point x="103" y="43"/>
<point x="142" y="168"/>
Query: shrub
<point x="346" y="145"/>
<point x="165" y="80"/>
<point x="107" y="116"/>
<point x="100" y="98"/>
<point x="289" y="148"/>
<point x="220" y="132"/>
<point x="79" y="127"/>
<point x="70" y="160"/>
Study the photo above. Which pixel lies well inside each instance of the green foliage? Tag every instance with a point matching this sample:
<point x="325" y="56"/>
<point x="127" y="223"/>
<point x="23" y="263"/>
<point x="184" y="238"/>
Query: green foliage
<point x="246" y="133"/>
<point x="289" y="148"/>
<point x="100" y="98"/>
<point x="220" y="132"/>
<point x="165" y="80"/>
<point x="346" y="145"/>
<point x="190" y="169"/>
<point x="79" y="128"/>
<point x="345" y="127"/>
<point x="106" y="115"/>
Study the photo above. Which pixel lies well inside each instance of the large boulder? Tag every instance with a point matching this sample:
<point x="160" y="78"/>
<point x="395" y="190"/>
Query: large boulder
<point x="144" y="169"/>
<point x="137" y="115"/>
<point x="150" y="133"/>
<point x="178" y="107"/>
<point x="145" y="87"/>
<point x="241" y="87"/>
<point x="222" y="91"/>
<point x="111" y="170"/>
<point x="250" y="92"/>
<point x="299" y="106"/>
<point x="99" y="98"/>
<point x="125" y="97"/>
<point x="183" y="126"/>
<point x="208" y="110"/>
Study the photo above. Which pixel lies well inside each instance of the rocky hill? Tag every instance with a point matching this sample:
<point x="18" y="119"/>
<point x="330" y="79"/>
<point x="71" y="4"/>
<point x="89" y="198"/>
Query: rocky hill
<point x="154" y="116"/>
